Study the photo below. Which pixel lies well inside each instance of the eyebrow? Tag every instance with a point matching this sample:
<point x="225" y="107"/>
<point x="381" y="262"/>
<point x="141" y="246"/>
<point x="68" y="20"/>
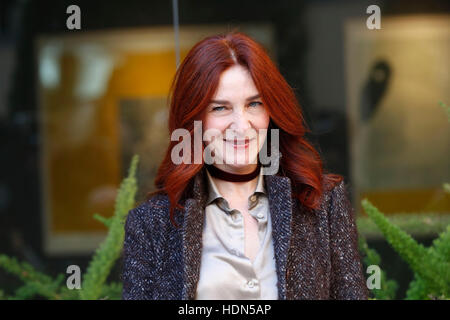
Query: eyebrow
<point x="226" y="102"/>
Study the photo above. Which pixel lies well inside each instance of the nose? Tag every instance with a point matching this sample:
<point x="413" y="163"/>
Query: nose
<point x="240" y="124"/>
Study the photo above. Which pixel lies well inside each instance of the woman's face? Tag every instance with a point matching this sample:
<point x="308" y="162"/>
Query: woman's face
<point x="236" y="114"/>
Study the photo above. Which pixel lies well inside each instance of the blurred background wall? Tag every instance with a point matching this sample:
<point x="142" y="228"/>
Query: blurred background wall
<point x="76" y="104"/>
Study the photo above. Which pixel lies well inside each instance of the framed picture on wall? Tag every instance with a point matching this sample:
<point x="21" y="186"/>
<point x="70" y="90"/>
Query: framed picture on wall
<point x="399" y="134"/>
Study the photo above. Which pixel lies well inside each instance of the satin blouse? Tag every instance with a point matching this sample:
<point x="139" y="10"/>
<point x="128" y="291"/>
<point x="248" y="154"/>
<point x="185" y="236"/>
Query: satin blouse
<point x="225" y="271"/>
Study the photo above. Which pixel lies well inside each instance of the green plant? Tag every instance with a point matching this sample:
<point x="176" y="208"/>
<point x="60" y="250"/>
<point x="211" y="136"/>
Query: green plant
<point x="94" y="285"/>
<point x="109" y="250"/>
<point x="431" y="266"/>
<point x="371" y="257"/>
<point x="35" y="283"/>
<point x="416" y="224"/>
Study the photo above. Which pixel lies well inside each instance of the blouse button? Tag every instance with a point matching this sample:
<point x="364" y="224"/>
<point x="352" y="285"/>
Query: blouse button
<point x="253" y="198"/>
<point x="260" y="215"/>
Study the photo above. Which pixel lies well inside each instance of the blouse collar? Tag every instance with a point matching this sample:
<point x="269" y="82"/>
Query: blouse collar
<point x="213" y="191"/>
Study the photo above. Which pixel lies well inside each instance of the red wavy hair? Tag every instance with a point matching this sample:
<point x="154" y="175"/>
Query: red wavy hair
<point x="195" y="84"/>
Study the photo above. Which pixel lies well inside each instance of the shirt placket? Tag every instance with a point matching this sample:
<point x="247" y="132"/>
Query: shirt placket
<point x="249" y="284"/>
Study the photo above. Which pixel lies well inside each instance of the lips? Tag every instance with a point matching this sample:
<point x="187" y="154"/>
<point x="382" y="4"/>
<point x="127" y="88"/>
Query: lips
<point x="239" y="142"/>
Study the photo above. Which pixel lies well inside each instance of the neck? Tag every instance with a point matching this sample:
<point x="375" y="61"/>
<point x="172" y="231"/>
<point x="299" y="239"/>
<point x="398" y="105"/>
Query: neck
<point x="230" y="189"/>
<point x="235" y="183"/>
<point x="233" y="176"/>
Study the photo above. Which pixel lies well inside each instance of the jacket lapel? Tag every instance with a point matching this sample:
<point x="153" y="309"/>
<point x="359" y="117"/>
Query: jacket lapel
<point x="280" y="205"/>
<point x="192" y="247"/>
<point x="192" y="230"/>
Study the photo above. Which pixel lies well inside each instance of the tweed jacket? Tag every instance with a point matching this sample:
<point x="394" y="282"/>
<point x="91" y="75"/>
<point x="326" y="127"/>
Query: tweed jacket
<point x="316" y="251"/>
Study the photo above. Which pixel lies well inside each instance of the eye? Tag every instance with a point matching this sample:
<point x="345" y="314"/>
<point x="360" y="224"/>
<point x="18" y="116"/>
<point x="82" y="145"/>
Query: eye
<point x="255" y="103"/>
<point x="218" y="108"/>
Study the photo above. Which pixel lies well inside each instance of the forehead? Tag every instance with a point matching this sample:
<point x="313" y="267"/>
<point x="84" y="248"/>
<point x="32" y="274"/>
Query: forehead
<point x="235" y="83"/>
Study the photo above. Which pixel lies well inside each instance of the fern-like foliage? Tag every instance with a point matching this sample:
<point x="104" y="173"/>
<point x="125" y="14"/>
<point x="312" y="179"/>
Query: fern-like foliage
<point x="109" y="251"/>
<point x="35" y="283"/>
<point x="371" y="257"/>
<point x="93" y="285"/>
<point x="430" y="265"/>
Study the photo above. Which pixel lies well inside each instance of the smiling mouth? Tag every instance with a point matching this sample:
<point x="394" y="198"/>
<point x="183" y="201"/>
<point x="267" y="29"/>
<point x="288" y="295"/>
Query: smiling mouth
<point x="236" y="142"/>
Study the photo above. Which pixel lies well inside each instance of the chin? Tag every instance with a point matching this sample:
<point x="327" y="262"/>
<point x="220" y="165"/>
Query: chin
<point x="239" y="168"/>
<point x="240" y="161"/>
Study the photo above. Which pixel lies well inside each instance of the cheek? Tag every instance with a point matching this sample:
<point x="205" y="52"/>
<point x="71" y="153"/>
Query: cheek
<point x="262" y="121"/>
<point x="213" y="123"/>
<point x="216" y="128"/>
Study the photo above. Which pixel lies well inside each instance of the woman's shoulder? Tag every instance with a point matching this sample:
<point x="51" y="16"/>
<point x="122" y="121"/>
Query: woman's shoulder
<point x="334" y="191"/>
<point x="157" y="201"/>
<point x="150" y="209"/>
<point x="336" y="198"/>
<point x="332" y="182"/>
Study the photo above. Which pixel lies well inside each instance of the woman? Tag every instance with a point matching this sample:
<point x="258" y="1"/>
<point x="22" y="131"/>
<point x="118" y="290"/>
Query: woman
<point x="232" y="225"/>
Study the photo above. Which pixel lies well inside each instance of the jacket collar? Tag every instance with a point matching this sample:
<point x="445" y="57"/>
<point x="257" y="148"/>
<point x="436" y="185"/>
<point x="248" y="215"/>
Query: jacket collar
<point x="280" y="204"/>
<point x="214" y="193"/>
